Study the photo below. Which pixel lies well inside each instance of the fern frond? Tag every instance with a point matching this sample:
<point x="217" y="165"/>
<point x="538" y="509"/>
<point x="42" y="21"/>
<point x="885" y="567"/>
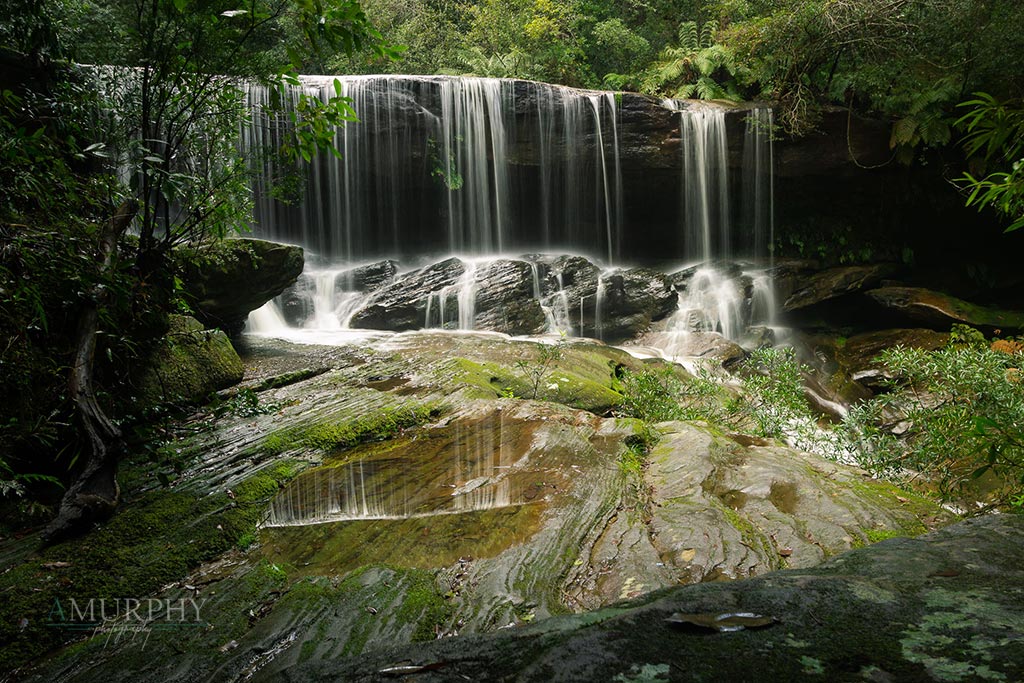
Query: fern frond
<point x="707" y="89"/>
<point x="689" y="36"/>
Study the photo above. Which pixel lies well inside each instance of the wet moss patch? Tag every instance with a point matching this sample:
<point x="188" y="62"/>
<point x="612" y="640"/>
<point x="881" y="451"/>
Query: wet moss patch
<point x="151" y="542"/>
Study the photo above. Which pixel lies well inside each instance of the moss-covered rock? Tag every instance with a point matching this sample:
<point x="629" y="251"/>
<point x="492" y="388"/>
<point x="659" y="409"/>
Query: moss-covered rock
<point x="188" y="364"/>
<point x="224" y="280"/>
<point x="946" y="607"/>
<point x="940" y="311"/>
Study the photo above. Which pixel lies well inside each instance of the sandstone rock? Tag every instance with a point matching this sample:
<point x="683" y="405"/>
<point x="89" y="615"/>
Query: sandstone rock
<point x="939" y="311"/>
<point x="629" y="299"/>
<point x="901" y="610"/>
<point x="188" y="365"/>
<point x="835" y="282"/>
<point x="367" y="278"/>
<point x="500" y="293"/>
<point x="225" y="280"/>
<point x="402" y="305"/>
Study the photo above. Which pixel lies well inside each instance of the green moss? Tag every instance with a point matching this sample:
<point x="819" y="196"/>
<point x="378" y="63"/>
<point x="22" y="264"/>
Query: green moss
<point x="752" y="536"/>
<point x="423" y="605"/>
<point x="151" y="542"/>
<point x="188" y="364"/>
<point x="876" y="535"/>
<point x="332" y="436"/>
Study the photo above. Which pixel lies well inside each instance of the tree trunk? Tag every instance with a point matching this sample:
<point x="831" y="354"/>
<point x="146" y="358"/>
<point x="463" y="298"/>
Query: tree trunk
<point x="94" y="493"/>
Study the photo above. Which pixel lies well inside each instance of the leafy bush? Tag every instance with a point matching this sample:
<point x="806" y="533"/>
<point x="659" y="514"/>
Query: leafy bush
<point x="661" y="395"/>
<point x="773" y="390"/>
<point x="955" y="420"/>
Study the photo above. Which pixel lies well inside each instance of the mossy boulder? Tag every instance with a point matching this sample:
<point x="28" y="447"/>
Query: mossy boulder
<point x="188" y="364"/>
<point x="223" y="281"/>
<point x="939" y="311"/>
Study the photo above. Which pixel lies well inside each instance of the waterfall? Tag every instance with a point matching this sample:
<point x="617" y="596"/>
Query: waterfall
<point x="473" y="146"/>
<point x="758" y="181"/>
<point x="475" y="471"/>
<point x="429" y="167"/>
<point x="705" y="192"/>
<point x="480" y="166"/>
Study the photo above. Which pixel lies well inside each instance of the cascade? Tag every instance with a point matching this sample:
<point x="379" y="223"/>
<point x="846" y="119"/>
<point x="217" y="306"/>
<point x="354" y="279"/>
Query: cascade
<point x="706" y="224"/>
<point x="480" y="166"/>
<point x="758" y="191"/>
<point x="476" y="472"/>
<point x="429" y="168"/>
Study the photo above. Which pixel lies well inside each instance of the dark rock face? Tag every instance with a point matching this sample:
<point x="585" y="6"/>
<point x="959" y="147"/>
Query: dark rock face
<point x="402" y="305"/>
<point x="726" y="269"/>
<point x="296" y="302"/>
<point x="188" y="364"/>
<point x="833" y="283"/>
<point x="630" y="300"/>
<point x="367" y="278"/>
<point x="939" y="311"/>
<point x="226" y="280"/>
<point x="504" y="299"/>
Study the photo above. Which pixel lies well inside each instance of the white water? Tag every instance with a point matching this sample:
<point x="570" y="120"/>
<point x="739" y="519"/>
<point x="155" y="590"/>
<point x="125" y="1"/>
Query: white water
<point x="440" y="142"/>
<point x="463" y="132"/>
<point x="706" y="224"/>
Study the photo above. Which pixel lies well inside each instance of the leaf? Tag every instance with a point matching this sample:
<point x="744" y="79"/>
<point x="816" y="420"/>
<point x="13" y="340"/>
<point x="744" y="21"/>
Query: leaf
<point x="724" y="622"/>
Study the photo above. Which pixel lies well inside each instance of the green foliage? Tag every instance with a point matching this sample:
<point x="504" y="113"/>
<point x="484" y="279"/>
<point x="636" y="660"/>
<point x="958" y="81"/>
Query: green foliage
<point x="994" y="135"/>
<point x="246" y="403"/>
<point x="697" y="66"/>
<point x="967" y="336"/>
<point x="773" y="390"/>
<point x="661" y="395"/>
<point x="954" y="420"/>
<point x="535" y="371"/>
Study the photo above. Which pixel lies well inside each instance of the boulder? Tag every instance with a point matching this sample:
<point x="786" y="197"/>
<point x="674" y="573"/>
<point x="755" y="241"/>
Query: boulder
<point x="834" y="282"/>
<point x="725" y="270"/>
<point x="402" y="305"/>
<point x="296" y="302"/>
<point x="939" y="311"/>
<point x="367" y="278"/>
<point x="505" y="299"/>
<point x="684" y="344"/>
<point x="500" y="293"/>
<point x="629" y="299"/>
<point x="187" y="365"/>
<point x="223" y="281"/>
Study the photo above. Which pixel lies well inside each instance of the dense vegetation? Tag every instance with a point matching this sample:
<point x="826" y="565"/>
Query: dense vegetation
<point x="105" y="170"/>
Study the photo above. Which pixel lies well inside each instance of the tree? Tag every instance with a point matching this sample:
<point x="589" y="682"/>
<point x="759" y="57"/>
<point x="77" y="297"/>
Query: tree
<point x="171" y="104"/>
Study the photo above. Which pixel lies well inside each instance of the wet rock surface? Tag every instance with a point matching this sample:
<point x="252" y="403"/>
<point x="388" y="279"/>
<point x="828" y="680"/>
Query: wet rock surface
<point x="367" y="278"/>
<point x="422" y="504"/>
<point x="887" y="612"/>
<point x="510" y="296"/>
<point x="615" y="305"/>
